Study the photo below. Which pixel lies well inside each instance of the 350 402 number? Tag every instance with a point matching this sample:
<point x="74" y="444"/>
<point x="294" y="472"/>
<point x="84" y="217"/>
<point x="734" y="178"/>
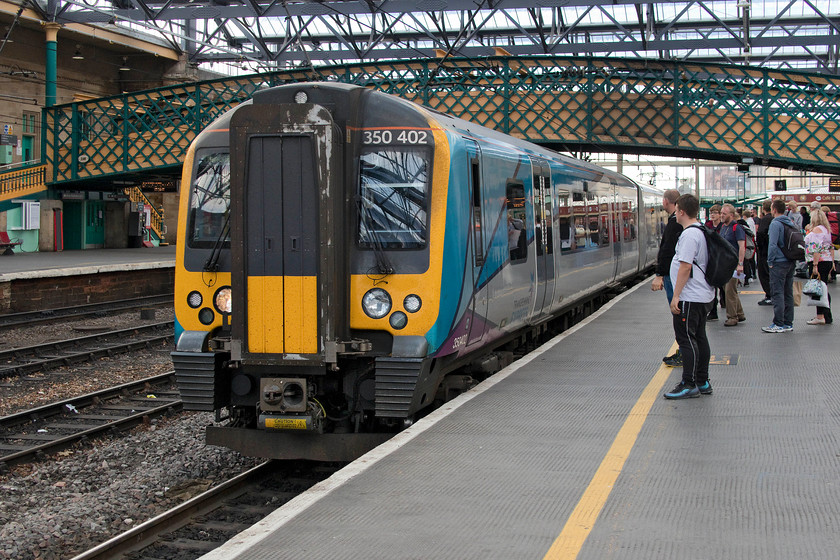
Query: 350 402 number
<point x="396" y="137"/>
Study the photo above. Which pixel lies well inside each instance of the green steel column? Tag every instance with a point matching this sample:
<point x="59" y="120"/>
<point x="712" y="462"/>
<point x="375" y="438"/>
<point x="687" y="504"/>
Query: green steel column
<point x="52" y="34"/>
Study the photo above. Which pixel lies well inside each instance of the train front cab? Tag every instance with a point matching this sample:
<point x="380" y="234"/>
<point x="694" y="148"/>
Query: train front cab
<point x="304" y="267"/>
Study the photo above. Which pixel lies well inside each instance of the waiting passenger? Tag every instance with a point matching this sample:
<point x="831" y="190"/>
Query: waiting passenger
<point x="690" y="302"/>
<point x="819" y="252"/>
<point x="666" y="254"/>
<point x="714" y="223"/>
<point x="781" y="272"/>
<point x="793" y="213"/>
<point x="762" y="240"/>
<point x="734" y="233"/>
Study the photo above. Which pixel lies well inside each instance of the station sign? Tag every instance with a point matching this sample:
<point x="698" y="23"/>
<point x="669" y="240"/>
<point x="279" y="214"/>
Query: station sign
<point x="834" y="184"/>
<point x="8" y="140"/>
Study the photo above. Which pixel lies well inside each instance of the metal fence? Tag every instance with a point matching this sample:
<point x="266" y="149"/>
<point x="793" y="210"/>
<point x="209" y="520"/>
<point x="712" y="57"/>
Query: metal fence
<point x="776" y="117"/>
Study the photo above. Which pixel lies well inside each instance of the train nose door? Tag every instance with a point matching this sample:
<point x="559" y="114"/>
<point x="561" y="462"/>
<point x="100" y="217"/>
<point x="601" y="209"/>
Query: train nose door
<point x="543" y="237"/>
<point x="283" y="204"/>
<point x="478" y="302"/>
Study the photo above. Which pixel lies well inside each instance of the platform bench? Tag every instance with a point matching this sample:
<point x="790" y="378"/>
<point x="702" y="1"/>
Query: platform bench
<point x="6" y="244"/>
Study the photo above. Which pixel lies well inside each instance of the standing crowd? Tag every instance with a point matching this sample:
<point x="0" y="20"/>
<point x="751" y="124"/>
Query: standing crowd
<point x="768" y="248"/>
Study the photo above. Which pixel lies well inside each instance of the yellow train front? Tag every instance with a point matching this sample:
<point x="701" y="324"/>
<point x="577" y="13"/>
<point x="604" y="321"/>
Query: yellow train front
<point x="342" y="251"/>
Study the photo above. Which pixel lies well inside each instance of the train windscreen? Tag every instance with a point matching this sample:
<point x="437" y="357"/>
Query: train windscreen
<point x="393" y="198"/>
<point x="209" y="215"/>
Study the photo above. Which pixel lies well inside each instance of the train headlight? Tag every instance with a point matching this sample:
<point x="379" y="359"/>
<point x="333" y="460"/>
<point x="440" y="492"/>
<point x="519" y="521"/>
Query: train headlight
<point x="221" y="301"/>
<point x="195" y="300"/>
<point x="206" y="316"/>
<point x="301" y="97"/>
<point x="376" y="303"/>
<point x="399" y="320"/>
<point x="412" y="303"/>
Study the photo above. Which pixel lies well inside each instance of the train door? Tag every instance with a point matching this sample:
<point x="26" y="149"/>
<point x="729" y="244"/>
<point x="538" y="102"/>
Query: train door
<point x="615" y="231"/>
<point x="543" y="236"/>
<point x="280" y="261"/>
<point x="284" y="202"/>
<point x="479" y="299"/>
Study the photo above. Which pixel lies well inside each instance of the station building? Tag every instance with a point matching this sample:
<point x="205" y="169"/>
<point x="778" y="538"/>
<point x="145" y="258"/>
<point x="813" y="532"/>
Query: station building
<point x="50" y="64"/>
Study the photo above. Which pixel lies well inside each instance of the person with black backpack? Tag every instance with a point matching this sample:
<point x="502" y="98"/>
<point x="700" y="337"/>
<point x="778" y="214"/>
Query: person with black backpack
<point x="781" y="260"/>
<point x="691" y="301"/>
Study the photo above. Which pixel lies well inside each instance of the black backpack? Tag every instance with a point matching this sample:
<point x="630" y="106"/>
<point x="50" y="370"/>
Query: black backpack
<point x="723" y="258"/>
<point x="793" y="243"/>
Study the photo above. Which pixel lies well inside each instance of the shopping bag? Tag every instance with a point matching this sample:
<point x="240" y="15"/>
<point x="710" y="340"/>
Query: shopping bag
<point x="813" y="287"/>
<point x="797" y="293"/>
<point x="822" y="301"/>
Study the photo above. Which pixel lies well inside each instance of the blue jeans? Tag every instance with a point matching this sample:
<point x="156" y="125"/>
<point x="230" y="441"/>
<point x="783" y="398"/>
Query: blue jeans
<point x="781" y="292"/>
<point x="669" y="288"/>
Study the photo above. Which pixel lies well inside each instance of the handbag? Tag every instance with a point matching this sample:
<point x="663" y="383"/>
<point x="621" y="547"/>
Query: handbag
<point x="821" y="301"/>
<point x="813" y="288"/>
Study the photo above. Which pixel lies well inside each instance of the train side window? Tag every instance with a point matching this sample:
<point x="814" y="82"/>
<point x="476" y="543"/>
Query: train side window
<point x="516" y="222"/>
<point x="542" y="214"/>
<point x="478" y="241"/>
<point x="566" y="221"/>
<point x="581" y="223"/>
<point x="597" y="233"/>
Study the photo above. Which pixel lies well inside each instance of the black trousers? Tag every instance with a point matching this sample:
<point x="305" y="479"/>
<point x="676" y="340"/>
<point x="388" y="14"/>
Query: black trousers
<point x="690" y="332"/>
<point x="763" y="273"/>
<point x="823" y="269"/>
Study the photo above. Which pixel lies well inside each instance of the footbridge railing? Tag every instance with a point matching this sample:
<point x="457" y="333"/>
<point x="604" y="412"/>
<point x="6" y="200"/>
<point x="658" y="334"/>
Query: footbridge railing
<point x="23" y="181"/>
<point x="776" y="117"/>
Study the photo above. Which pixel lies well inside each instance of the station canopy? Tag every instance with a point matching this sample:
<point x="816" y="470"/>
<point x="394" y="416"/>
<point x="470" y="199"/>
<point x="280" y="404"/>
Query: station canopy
<point x="243" y="36"/>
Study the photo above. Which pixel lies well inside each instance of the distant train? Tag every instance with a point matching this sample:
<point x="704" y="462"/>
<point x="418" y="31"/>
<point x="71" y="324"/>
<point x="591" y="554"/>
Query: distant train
<point x="345" y="256"/>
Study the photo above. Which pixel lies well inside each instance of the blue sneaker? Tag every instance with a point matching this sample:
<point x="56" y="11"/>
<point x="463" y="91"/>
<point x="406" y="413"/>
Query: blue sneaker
<point x="705" y="388"/>
<point x="683" y="391"/>
<point x="774" y="328"/>
<point x="787" y="328"/>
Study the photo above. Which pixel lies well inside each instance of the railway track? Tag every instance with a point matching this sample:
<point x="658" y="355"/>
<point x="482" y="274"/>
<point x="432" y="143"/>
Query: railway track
<point x="210" y="519"/>
<point x="31" y="434"/>
<point x="93" y="309"/>
<point x="41" y="357"/>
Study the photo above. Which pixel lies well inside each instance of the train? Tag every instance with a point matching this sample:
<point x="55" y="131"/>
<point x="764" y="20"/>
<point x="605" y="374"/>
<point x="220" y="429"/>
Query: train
<point x="348" y="259"/>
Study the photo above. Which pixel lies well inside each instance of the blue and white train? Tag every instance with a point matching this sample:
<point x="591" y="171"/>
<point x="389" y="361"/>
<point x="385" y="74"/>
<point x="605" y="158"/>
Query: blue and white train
<point x="348" y="258"/>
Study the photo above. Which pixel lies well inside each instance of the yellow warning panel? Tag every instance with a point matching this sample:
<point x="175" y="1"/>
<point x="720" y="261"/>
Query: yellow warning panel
<point x="265" y="314"/>
<point x="300" y="297"/>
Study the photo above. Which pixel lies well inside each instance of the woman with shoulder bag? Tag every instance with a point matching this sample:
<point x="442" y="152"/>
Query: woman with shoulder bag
<point x="820" y="252"/>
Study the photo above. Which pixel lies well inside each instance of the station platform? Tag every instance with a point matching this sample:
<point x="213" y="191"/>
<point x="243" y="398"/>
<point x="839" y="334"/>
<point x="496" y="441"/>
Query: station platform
<point x="69" y="263"/>
<point x="41" y="281"/>
<point x="571" y="452"/>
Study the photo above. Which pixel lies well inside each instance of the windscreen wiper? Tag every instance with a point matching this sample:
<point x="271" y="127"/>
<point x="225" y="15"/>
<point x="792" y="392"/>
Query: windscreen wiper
<point x="383" y="264"/>
<point x="212" y="263"/>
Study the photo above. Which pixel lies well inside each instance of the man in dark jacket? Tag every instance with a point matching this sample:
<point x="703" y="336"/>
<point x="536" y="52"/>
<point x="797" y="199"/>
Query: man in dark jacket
<point x="781" y="272"/>
<point x="667" y="248"/>
<point x="762" y="240"/>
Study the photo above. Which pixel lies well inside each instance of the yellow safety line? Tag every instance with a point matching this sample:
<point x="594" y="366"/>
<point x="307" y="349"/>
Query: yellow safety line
<point x="568" y="544"/>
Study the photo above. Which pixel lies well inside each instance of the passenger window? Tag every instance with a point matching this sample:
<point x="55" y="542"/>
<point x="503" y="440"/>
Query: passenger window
<point x="565" y="221"/>
<point x="516" y="222"/>
<point x="596" y="231"/>
<point x="478" y="241"/>
<point x="581" y="221"/>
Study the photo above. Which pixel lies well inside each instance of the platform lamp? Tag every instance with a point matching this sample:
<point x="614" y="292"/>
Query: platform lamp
<point x="124" y="67"/>
<point x="78" y="54"/>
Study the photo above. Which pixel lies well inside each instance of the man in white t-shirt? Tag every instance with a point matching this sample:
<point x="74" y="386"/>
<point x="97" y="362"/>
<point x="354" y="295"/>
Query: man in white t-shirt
<point x="691" y="302"/>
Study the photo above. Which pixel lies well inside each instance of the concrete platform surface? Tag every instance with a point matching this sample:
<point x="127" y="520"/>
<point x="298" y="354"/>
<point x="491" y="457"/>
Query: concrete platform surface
<point x="70" y="263"/>
<point x="572" y="452"/>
